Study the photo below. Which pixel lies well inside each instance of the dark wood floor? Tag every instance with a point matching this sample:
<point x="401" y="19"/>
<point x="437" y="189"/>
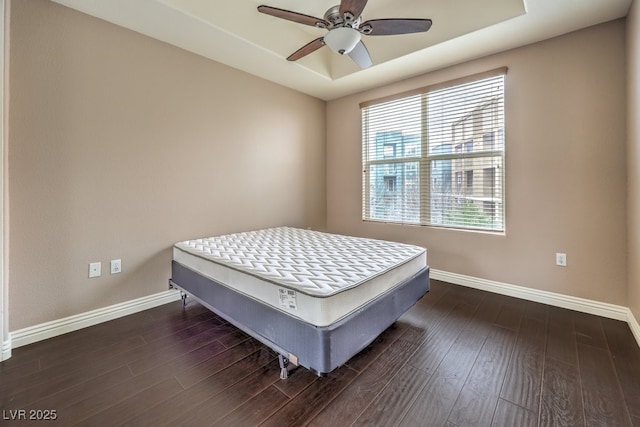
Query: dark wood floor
<point x="460" y="357"/>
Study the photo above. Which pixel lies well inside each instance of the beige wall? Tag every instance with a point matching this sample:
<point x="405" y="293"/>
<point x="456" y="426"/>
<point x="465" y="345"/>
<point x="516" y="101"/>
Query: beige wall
<point x="120" y="145"/>
<point x="565" y="169"/>
<point x="633" y="156"/>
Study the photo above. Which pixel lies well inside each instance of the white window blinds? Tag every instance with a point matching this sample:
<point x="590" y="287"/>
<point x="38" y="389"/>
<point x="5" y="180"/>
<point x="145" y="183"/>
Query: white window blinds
<point x="436" y="156"/>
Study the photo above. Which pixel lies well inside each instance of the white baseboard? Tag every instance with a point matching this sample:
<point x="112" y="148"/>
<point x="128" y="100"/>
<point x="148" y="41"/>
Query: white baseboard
<point x="43" y="331"/>
<point x="584" y="305"/>
<point x="635" y="327"/>
<point x="5" y="352"/>
<point x="73" y="323"/>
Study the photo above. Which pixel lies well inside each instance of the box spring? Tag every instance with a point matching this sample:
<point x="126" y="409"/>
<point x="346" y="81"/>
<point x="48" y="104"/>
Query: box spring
<point x="320" y="349"/>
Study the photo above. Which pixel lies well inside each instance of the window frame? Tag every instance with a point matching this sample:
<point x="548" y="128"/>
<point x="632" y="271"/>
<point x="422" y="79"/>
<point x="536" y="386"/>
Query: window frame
<point x="425" y="159"/>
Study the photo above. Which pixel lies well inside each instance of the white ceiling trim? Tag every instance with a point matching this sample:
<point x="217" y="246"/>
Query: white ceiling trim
<point x="158" y="19"/>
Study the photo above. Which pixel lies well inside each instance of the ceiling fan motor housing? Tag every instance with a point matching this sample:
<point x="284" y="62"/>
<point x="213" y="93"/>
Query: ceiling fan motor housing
<point x="338" y="20"/>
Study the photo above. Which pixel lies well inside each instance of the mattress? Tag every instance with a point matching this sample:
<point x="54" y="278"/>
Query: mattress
<point x="316" y="277"/>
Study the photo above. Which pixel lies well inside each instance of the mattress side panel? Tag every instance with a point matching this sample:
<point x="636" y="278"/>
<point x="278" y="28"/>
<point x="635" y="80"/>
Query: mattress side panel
<point x="319" y="311"/>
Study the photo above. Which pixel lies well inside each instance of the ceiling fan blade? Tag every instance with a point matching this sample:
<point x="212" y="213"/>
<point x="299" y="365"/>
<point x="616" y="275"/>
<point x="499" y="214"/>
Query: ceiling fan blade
<point x="388" y="27"/>
<point x="293" y="16"/>
<point x="360" y="55"/>
<point x="354" y="6"/>
<point x="307" y="49"/>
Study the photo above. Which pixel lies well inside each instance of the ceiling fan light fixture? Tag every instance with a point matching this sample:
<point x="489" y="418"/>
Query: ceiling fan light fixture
<point x="342" y="40"/>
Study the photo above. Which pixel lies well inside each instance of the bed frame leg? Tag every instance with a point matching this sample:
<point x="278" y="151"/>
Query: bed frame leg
<point x="287" y="364"/>
<point x="284" y="364"/>
<point x="183" y="297"/>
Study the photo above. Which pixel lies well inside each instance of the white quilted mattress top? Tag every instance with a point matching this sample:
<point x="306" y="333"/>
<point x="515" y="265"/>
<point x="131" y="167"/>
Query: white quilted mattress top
<point x="311" y="262"/>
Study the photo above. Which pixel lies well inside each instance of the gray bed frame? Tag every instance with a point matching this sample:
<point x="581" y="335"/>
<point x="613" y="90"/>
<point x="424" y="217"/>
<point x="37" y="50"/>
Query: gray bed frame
<point x="319" y="349"/>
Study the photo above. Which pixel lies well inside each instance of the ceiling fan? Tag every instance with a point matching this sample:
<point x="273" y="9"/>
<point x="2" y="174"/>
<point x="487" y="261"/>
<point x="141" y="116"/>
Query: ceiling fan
<point x="345" y="29"/>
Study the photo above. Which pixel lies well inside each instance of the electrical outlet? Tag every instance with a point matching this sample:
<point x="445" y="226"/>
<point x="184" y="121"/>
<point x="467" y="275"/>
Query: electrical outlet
<point x="95" y="269"/>
<point x="561" y="259"/>
<point x="116" y="266"/>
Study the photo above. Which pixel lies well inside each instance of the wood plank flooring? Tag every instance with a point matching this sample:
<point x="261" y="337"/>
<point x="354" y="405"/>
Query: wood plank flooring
<point x="460" y="357"/>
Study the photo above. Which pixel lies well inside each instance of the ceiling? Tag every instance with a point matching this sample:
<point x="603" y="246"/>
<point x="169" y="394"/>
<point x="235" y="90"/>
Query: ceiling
<point x="234" y="33"/>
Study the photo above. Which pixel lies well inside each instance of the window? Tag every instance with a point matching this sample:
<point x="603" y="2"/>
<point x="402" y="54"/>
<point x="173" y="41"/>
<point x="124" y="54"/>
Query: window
<point x="469" y="174"/>
<point x="390" y="183"/>
<point x="469" y="146"/>
<point x="389" y="150"/>
<point x="436" y="156"/>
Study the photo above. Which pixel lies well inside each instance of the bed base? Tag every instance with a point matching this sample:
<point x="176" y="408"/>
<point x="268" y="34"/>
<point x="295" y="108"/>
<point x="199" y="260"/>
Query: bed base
<point x="319" y="349"/>
<point x="285" y="364"/>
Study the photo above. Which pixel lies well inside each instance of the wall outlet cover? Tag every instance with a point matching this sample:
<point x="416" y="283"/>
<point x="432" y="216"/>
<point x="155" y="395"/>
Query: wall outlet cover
<point x="116" y="266"/>
<point x="561" y="259"/>
<point x="95" y="269"/>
